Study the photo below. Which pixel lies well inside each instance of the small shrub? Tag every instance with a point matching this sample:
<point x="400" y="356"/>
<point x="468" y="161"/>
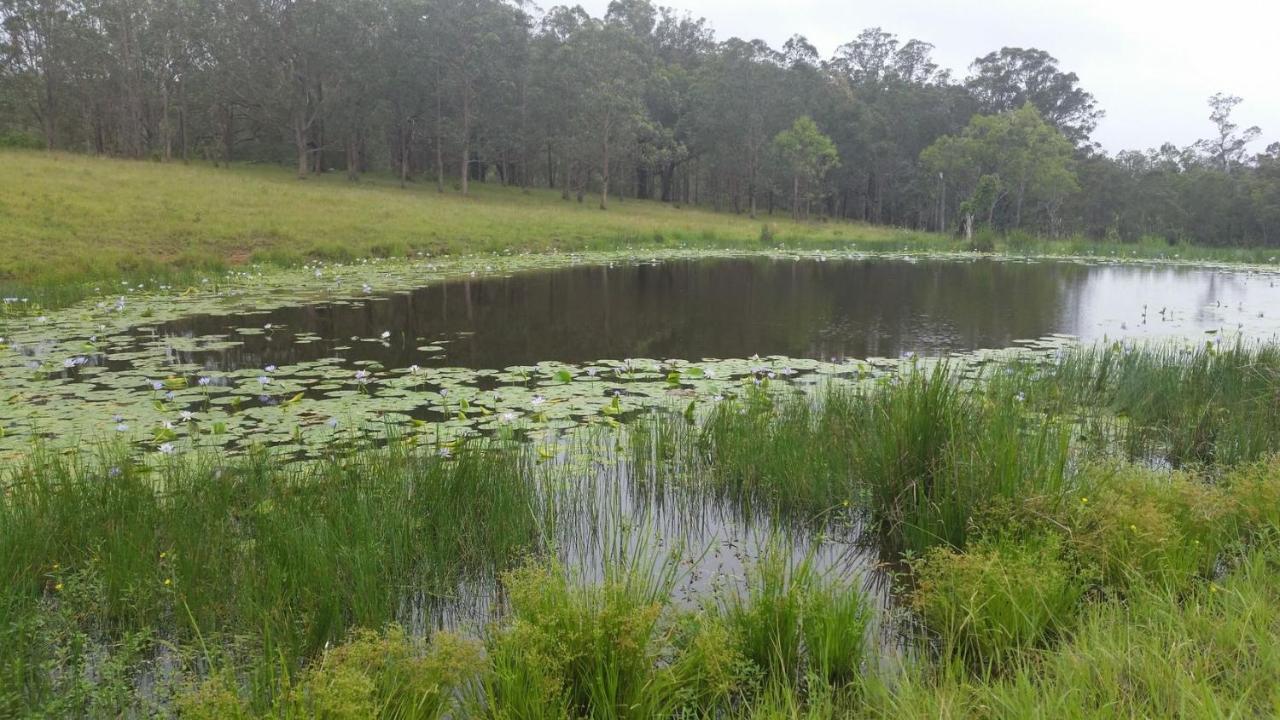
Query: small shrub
<point x="1144" y="526"/>
<point x="385" y="675"/>
<point x="984" y="241"/>
<point x="1254" y="496"/>
<point x="1020" y="241"/>
<point x="581" y="649"/>
<point x="999" y="597"/>
<point x="217" y="698"/>
<point x="18" y="140"/>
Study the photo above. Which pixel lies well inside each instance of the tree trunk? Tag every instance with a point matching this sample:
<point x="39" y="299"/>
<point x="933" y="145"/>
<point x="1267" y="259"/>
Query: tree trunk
<point x="795" y="197"/>
<point x="406" y="137"/>
<point x="604" y="184"/>
<point x="439" y="137"/>
<point x="300" y="144"/>
<point x="466" y="135"/>
<point x="353" y="157"/>
<point x="228" y="133"/>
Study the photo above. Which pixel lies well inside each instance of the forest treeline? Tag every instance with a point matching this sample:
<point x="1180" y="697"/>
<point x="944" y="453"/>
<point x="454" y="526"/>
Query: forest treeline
<point x="644" y="102"/>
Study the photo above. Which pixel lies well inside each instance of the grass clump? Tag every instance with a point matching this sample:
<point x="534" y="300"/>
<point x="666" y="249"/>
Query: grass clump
<point x="1140" y="525"/>
<point x="791" y="622"/>
<point x="371" y="675"/>
<point x="997" y="598"/>
<point x="1211" y="651"/>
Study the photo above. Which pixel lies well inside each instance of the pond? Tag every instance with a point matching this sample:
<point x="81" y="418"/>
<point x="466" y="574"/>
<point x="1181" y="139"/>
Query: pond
<point x="739" y="307"/>
<point x="551" y="349"/>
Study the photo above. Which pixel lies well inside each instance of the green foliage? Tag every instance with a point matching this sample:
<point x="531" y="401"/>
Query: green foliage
<point x="15" y="140"/>
<point x="1000" y="596"/>
<point x="1013" y="157"/>
<point x="808" y="155"/>
<point x="1152" y="528"/>
<point x="1210" y="653"/>
<point x="583" y="649"/>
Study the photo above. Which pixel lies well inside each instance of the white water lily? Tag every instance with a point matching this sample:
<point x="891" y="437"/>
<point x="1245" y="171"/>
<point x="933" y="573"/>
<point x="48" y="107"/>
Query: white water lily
<point x="537" y="400"/>
<point x="166" y="448"/>
<point x="386" y="334"/>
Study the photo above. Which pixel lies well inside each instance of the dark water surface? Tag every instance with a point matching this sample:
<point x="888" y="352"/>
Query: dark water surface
<point x="739" y="307"/>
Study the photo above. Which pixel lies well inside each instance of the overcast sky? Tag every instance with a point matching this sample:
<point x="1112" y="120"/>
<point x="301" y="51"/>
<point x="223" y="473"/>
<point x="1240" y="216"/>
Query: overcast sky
<point x="1151" y="64"/>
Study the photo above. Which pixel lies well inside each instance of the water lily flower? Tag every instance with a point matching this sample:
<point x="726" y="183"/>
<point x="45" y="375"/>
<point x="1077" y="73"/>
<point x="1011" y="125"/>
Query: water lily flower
<point x="167" y="425"/>
<point x="270" y="368"/>
<point x="204" y="381"/>
<point x="367" y="288"/>
<point x="186" y="415"/>
<point x="122" y="427"/>
<point x="508" y="417"/>
<point x="332" y="422"/>
<point x="413" y="369"/>
<point x="169" y="395"/>
<point x="264" y="380"/>
<point x="386" y="334"/>
<point x="445" y="453"/>
<point x="267" y="326"/>
<point x="537" y="400"/>
<point x="166" y="449"/>
<point x="362" y="375"/>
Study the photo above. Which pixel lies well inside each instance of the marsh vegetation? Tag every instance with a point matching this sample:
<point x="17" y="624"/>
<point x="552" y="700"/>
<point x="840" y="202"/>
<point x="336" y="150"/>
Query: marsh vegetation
<point x="963" y="540"/>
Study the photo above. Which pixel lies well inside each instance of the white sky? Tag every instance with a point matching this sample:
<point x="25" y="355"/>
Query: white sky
<point x="1151" y="64"/>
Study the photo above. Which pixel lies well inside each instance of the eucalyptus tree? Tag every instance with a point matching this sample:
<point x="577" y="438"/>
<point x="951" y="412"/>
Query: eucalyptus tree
<point x="1011" y="77"/>
<point x="1227" y="147"/>
<point x="808" y="155"/>
<point x="1014" y="155"/>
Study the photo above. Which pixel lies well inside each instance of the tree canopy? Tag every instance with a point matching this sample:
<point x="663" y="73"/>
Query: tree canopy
<point x="644" y="102"/>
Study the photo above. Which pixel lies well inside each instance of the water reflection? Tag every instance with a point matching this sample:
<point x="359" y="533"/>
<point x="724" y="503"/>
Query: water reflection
<point x="740" y="307"/>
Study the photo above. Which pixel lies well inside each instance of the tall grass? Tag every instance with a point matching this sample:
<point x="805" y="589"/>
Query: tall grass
<point x="280" y="588"/>
<point x="295" y="555"/>
<point x="919" y="454"/>
<point x="1205" y="405"/>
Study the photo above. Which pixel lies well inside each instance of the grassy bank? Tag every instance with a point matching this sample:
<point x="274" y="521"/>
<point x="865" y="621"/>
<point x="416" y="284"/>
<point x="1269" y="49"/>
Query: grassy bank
<point x="1047" y="561"/>
<point x="71" y="225"/>
<point x="70" y="219"/>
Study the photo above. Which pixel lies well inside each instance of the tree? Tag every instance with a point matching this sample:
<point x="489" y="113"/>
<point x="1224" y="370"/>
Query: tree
<point x="1011" y="77"/>
<point x="808" y="155"/>
<point x="1015" y="153"/>
<point x="1228" y="147"/>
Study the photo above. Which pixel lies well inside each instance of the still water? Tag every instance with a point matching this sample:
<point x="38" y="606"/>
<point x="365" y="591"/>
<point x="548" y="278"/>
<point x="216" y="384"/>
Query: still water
<point x="739" y="307"/>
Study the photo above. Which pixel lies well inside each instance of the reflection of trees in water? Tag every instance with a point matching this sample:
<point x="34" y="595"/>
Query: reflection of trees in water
<point x="714" y="308"/>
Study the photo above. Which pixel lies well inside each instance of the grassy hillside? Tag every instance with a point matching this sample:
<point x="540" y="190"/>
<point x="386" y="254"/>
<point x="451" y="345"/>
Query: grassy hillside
<point x="71" y="219"/>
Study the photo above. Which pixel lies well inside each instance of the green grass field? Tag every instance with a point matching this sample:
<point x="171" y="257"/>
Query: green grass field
<point x="69" y="223"/>
<point x="67" y="219"/>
